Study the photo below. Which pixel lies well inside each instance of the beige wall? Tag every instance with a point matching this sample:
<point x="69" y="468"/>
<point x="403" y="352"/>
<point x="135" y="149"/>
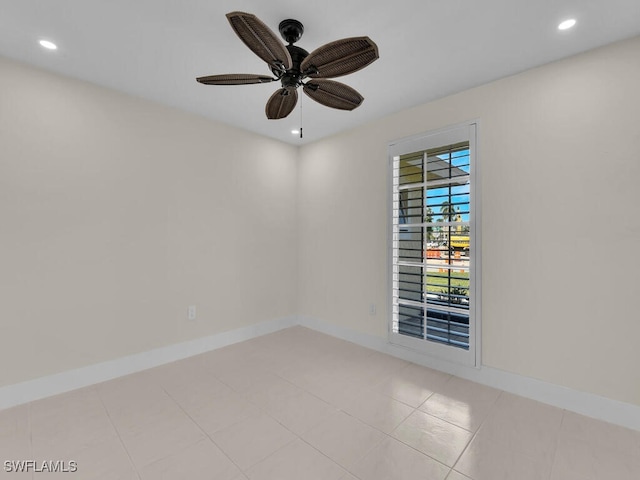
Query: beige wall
<point x="558" y="148"/>
<point x="116" y="214"/>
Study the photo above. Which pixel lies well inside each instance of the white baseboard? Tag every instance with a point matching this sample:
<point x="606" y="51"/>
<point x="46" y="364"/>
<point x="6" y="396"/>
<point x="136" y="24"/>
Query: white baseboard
<point x="591" y="405"/>
<point x="594" y="406"/>
<point x="17" y="394"/>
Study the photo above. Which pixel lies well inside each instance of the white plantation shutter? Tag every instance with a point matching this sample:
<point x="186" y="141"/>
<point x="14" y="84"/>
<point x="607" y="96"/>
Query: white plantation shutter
<point x="433" y="244"/>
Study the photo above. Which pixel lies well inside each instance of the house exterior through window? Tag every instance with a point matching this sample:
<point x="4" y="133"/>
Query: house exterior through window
<point x="435" y="244"/>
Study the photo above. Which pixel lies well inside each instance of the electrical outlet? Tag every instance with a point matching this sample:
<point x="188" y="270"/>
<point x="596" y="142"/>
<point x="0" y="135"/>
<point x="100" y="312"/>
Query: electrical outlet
<point x="191" y="312"/>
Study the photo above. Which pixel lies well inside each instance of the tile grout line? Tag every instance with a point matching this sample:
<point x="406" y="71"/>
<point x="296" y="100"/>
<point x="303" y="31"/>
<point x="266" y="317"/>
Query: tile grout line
<point x="338" y="409"/>
<point x="477" y="431"/>
<point x="473" y="434"/>
<point x="338" y="464"/>
<point x="206" y="434"/>
<point x="135" y="467"/>
<point x="487" y="418"/>
<point x="299" y="437"/>
<point x="387" y="435"/>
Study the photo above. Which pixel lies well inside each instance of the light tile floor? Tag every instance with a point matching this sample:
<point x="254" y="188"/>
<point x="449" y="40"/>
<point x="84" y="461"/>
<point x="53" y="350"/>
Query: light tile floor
<point x="300" y="405"/>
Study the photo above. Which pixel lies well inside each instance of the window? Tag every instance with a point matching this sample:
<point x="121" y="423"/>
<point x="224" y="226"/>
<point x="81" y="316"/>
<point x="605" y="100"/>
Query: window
<point x="434" y="244"/>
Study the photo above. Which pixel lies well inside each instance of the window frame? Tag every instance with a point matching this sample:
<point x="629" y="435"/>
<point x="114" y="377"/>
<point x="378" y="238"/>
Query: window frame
<point x="467" y="131"/>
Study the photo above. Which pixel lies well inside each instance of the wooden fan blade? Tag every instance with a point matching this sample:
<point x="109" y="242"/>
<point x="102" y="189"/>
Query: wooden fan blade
<point x="333" y="94"/>
<point x="260" y="39"/>
<point x="340" y="57"/>
<point x="234" y="79"/>
<point x="281" y="103"/>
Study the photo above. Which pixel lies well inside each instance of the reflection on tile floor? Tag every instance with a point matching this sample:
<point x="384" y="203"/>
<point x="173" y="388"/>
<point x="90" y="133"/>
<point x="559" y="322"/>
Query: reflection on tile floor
<point x="298" y="404"/>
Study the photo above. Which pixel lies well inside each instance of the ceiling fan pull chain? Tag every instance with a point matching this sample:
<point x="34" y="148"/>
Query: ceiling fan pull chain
<point x="301" y="116"/>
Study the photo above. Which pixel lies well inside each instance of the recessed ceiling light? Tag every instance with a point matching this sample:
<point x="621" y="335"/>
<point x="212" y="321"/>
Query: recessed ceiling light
<point x="295" y="132"/>
<point x="48" y="45"/>
<point x="567" y="24"/>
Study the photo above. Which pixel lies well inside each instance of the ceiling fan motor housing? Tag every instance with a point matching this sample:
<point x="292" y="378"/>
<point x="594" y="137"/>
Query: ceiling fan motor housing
<point x="291" y="30"/>
<point x="292" y="78"/>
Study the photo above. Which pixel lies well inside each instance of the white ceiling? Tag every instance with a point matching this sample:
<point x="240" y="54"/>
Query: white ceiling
<point x="428" y="48"/>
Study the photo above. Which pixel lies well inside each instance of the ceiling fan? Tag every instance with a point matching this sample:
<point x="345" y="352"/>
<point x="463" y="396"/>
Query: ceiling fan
<point x="291" y="65"/>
